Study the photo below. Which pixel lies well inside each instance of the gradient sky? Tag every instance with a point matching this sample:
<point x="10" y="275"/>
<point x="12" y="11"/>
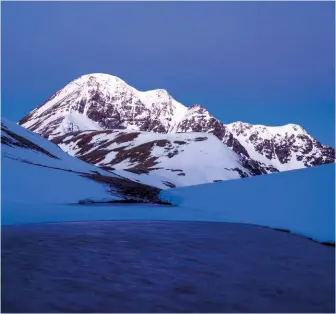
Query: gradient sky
<point x="259" y="62"/>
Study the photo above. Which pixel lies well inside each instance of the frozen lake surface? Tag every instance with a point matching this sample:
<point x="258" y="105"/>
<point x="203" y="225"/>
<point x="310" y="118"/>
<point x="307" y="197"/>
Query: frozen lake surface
<point x="143" y="266"/>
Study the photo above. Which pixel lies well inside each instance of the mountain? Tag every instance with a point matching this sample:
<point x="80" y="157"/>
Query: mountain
<point x="99" y="102"/>
<point x="102" y="102"/>
<point x="286" y="147"/>
<point x="162" y="160"/>
<point x="36" y="170"/>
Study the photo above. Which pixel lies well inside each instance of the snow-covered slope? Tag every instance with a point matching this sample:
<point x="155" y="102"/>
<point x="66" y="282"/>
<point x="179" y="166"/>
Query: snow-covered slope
<point x="162" y="160"/>
<point x="34" y="170"/>
<point x="104" y="102"/>
<point x="300" y="201"/>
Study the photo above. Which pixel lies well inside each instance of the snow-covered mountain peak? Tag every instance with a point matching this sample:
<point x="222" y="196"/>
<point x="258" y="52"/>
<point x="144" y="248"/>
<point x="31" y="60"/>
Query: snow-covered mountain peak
<point x="283" y="129"/>
<point x="114" y="85"/>
<point x="297" y="128"/>
<point x="285" y="147"/>
<point x="104" y="83"/>
<point x="103" y="102"/>
<point x="157" y="93"/>
<point x="195" y="106"/>
<point x="110" y="103"/>
<point x="269" y="131"/>
<point x="198" y="111"/>
<point x="96" y="77"/>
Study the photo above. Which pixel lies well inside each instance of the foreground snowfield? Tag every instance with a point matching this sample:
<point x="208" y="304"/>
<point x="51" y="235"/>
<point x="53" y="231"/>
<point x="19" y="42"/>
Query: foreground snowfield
<point x="28" y="184"/>
<point x="301" y="201"/>
<point x="44" y="173"/>
<point x="171" y="267"/>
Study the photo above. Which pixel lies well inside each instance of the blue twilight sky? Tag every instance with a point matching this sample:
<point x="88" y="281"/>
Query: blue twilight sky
<point x="260" y="62"/>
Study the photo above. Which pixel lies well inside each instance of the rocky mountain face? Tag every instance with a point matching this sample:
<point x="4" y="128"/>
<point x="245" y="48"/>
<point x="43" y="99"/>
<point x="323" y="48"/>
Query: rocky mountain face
<point x="161" y="160"/>
<point x="286" y="147"/>
<point x="100" y="101"/>
<point x="103" y="102"/>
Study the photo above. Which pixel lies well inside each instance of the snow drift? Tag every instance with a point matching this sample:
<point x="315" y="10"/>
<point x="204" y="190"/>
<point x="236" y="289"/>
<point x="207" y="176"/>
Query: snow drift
<point x="300" y="201"/>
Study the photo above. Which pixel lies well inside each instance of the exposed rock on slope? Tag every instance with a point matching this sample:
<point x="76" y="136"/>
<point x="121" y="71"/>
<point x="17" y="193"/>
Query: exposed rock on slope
<point x="157" y="159"/>
<point x="286" y="147"/>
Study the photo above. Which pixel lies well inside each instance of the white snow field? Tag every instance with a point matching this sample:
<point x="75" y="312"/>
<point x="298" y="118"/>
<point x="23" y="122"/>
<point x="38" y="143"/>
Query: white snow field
<point x="30" y="176"/>
<point x="305" y="209"/>
<point x="301" y="201"/>
<point x="24" y="183"/>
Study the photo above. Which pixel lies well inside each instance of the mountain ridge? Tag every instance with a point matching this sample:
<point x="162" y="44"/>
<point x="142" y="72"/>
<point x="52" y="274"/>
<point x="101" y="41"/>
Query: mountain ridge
<point x="101" y="102"/>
